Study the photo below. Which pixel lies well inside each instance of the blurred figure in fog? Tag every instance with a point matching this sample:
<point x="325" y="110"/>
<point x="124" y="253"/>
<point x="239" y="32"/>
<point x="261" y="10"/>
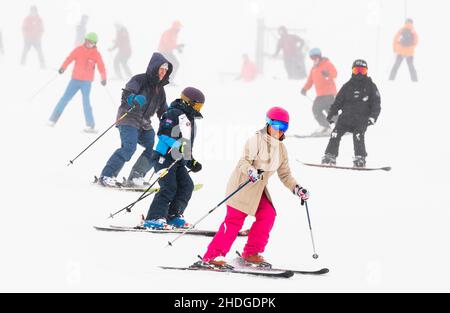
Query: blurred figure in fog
<point x="123" y="46"/>
<point x="86" y="57"/>
<point x="167" y="45"/>
<point x="80" y="32"/>
<point x="294" y="60"/>
<point x="33" y="29"/>
<point x="2" y="50"/>
<point x="322" y="76"/>
<point x="249" y="71"/>
<point x="405" y="43"/>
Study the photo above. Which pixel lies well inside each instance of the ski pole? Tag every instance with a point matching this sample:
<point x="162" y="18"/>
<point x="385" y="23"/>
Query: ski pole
<point x="115" y="123"/>
<point x="43" y="87"/>
<point x="146" y="192"/>
<point x="315" y="255"/>
<point x="110" y="96"/>
<point x="207" y="214"/>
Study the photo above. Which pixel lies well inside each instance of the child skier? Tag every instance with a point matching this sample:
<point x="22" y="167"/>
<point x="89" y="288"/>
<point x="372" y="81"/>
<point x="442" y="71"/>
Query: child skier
<point x="263" y="152"/>
<point x="359" y="100"/>
<point x="176" y="136"/>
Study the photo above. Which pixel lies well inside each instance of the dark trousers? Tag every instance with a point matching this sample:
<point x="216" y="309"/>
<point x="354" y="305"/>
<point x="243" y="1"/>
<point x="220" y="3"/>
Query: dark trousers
<point x="36" y="44"/>
<point x="358" y="138"/>
<point x="295" y="66"/>
<point x="398" y="62"/>
<point x="130" y="137"/>
<point x="320" y="109"/>
<point x="175" y="190"/>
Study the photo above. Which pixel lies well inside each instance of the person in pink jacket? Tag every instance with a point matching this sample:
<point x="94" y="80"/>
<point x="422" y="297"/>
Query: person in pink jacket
<point x="33" y="29"/>
<point x="167" y="45"/>
<point x="86" y="58"/>
<point x="264" y="155"/>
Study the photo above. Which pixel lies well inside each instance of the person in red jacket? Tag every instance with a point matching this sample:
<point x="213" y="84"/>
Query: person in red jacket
<point x="33" y="29"/>
<point x="322" y="76"/>
<point x="167" y="45"/>
<point x="294" y="59"/>
<point x="249" y="71"/>
<point x="86" y="57"/>
<point x="123" y="46"/>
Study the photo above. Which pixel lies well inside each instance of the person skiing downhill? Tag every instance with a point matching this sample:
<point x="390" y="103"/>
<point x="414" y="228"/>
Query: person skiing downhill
<point x="405" y="43"/>
<point x="264" y="154"/>
<point x="146" y="93"/>
<point x="123" y="46"/>
<point x="33" y="30"/>
<point x="294" y="60"/>
<point x="359" y="101"/>
<point x="176" y="136"/>
<point x="86" y="57"/>
<point x="322" y="76"/>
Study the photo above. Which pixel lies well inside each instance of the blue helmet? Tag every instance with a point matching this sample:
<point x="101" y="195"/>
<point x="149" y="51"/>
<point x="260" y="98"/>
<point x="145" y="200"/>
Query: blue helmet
<point x="315" y="52"/>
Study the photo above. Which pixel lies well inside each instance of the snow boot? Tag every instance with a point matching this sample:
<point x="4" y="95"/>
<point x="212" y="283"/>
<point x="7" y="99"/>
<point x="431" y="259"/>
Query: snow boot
<point x="137" y="182"/>
<point x="159" y="224"/>
<point x="106" y="181"/>
<point x="256" y="260"/>
<point x="359" y="161"/>
<point x="178" y="222"/>
<point x="329" y="159"/>
<point x="90" y="130"/>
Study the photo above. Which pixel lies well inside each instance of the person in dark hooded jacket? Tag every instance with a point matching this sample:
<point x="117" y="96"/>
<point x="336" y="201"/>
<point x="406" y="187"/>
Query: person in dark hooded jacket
<point x="145" y="92"/>
<point x="173" y="152"/>
<point x="359" y="101"/>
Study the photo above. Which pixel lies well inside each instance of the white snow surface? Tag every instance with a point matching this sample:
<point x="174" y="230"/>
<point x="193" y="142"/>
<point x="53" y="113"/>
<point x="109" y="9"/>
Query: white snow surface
<point x="375" y="231"/>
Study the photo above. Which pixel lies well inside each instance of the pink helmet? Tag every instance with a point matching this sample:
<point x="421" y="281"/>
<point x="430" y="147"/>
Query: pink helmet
<point x="278" y="114"/>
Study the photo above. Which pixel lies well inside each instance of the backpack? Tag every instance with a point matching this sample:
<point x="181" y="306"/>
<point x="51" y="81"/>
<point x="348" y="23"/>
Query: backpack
<point x="407" y="38"/>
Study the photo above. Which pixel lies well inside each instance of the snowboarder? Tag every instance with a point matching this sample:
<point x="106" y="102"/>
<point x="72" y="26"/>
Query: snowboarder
<point x="176" y="136"/>
<point x="405" y="43"/>
<point x="294" y="60"/>
<point x="33" y="29"/>
<point x="123" y="46"/>
<point x="264" y="151"/>
<point x="322" y="76"/>
<point x="168" y="43"/>
<point x="249" y="70"/>
<point x="146" y="91"/>
<point x="80" y="32"/>
<point x="86" y="57"/>
<point x="359" y="100"/>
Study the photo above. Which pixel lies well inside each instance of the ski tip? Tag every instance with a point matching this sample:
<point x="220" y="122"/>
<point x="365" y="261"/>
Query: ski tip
<point x="386" y="168"/>
<point x="323" y="271"/>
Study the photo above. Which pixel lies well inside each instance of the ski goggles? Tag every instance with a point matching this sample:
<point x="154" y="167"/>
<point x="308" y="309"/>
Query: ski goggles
<point x="278" y="125"/>
<point x="197" y="106"/>
<point x="359" y="70"/>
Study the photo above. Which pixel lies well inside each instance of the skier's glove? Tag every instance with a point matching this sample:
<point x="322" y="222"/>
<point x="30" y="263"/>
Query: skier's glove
<point x="371" y="121"/>
<point x="103" y="82"/>
<point x="302" y="193"/>
<point x="325" y="73"/>
<point x="138" y="100"/>
<point x="303" y="92"/>
<point x="61" y="70"/>
<point x="253" y="175"/>
<point x="194" y="166"/>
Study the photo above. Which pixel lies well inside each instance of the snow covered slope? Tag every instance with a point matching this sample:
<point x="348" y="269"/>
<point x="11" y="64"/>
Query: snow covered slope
<point x="375" y="231"/>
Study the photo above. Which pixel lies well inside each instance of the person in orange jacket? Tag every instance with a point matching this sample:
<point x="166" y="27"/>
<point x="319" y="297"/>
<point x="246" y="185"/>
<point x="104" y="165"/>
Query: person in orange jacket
<point x="322" y="76"/>
<point x="167" y="45"/>
<point x="33" y="29"/>
<point x="86" y="57"/>
<point x="249" y="71"/>
<point x="405" y="43"/>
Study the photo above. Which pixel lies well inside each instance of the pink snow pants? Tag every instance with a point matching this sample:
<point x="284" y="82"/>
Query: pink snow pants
<point x="258" y="236"/>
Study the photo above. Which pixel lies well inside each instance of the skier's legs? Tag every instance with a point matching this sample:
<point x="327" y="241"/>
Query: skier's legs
<point x="168" y="189"/>
<point x="117" y="62"/>
<point x="26" y="49"/>
<point x="228" y="231"/>
<point x="86" y="92"/>
<point x="398" y="62"/>
<point x="288" y="65"/>
<point x="145" y="162"/>
<point x="38" y="46"/>
<point x="320" y="108"/>
<point x="258" y="237"/>
<point x="129" y="138"/>
<point x="125" y="66"/>
<point x="71" y="90"/>
<point x="335" y="139"/>
<point x="184" y="192"/>
<point x="412" y="69"/>
<point x="359" y="141"/>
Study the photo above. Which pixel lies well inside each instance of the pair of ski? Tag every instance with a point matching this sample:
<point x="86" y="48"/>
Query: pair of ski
<point x="264" y="270"/>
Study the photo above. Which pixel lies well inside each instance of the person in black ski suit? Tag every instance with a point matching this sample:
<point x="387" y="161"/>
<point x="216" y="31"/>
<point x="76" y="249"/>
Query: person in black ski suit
<point x="359" y="101"/>
<point x="146" y="93"/>
<point x="176" y="136"/>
